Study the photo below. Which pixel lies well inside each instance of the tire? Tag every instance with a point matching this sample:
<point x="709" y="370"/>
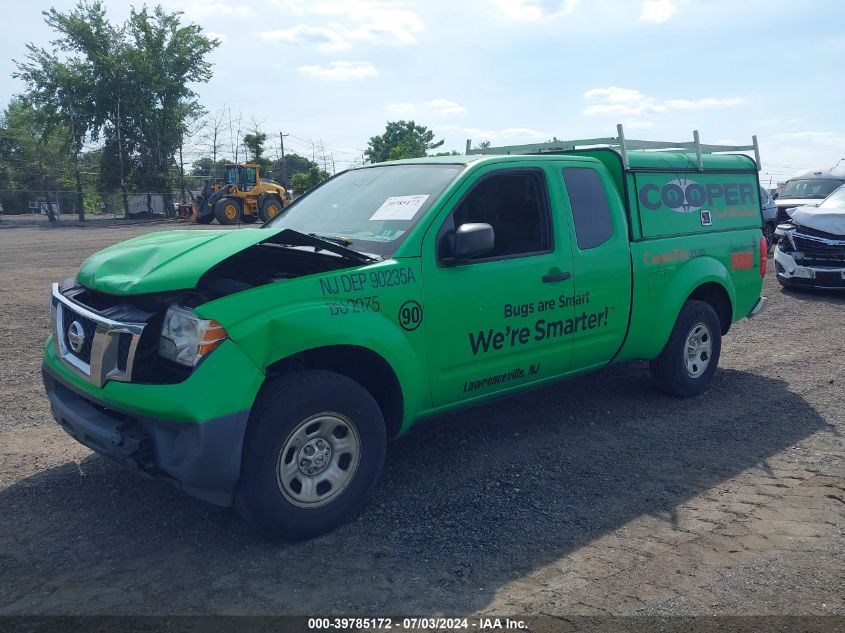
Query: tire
<point x="677" y="370"/>
<point x="270" y="207"/>
<point x="208" y="218"/>
<point x="227" y="210"/>
<point x="276" y="454"/>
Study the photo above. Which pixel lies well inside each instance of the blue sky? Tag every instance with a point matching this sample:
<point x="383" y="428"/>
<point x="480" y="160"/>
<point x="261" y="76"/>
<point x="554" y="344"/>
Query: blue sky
<point x="519" y="71"/>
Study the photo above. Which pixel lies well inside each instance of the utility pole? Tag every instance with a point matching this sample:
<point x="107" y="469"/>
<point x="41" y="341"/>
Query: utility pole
<point x="334" y="171"/>
<point x="284" y="173"/>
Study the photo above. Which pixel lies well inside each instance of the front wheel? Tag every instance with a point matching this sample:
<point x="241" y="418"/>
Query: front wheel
<point x="314" y="450"/>
<point x="688" y="361"/>
<point x="227" y="210"/>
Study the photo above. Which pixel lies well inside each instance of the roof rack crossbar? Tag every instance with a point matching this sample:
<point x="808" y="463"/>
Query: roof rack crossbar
<point x="624" y="145"/>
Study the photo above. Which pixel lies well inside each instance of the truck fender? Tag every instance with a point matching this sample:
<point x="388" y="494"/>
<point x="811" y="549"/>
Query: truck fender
<point x="689" y="277"/>
<point x="272" y="337"/>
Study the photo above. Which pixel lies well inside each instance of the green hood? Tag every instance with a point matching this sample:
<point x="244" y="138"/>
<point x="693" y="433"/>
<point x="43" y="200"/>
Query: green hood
<point x="166" y="260"/>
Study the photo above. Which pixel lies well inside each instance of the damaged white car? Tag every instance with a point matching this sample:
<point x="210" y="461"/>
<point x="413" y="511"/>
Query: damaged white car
<point x="810" y="249"/>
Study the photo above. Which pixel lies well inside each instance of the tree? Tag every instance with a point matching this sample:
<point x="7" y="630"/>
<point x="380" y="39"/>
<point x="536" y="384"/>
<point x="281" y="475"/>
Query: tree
<point x="61" y="91"/>
<point x="401" y="139"/>
<point x="302" y="181"/>
<point x="136" y="78"/>
<point x="254" y="145"/>
<point x="294" y="164"/>
<point x="33" y="158"/>
<point x="214" y="127"/>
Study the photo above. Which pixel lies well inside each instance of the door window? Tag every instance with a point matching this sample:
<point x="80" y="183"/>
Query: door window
<point x="250" y="177"/>
<point x="515" y="203"/>
<point x="590" y="208"/>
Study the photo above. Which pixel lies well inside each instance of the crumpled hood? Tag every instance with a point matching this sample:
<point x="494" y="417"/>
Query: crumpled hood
<point x="165" y="260"/>
<point x="827" y="220"/>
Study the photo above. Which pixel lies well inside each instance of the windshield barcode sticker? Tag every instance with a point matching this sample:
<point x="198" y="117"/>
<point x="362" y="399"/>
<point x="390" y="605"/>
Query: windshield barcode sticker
<point x="399" y="208"/>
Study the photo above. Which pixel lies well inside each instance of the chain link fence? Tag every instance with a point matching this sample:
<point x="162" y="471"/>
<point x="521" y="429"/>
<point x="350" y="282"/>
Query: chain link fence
<point x="63" y="205"/>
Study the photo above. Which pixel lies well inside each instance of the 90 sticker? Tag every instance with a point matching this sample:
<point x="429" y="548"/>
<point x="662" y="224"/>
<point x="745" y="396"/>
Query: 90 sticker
<point x="410" y="315"/>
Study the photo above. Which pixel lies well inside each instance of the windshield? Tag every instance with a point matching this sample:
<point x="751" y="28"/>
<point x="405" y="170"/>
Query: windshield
<point x="810" y="188"/>
<point x="836" y="200"/>
<point x="370" y="209"/>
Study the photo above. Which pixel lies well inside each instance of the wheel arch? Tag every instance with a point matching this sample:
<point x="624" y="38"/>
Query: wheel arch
<point x="361" y="364"/>
<point x="714" y="293"/>
<point x="701" y="278"/>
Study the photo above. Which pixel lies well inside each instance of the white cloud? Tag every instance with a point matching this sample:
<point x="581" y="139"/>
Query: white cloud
<point x="628" y="102"/>
<point x="657" y="11"/>
<point x="445" y="106"/>
<point x="358" y="21"/>
<point x="614" y="94"/>
<point x="534" y="10"/>
<point x="523" y="132"/>
<point x="340" y="71"/>
<point x="321" y="38"/>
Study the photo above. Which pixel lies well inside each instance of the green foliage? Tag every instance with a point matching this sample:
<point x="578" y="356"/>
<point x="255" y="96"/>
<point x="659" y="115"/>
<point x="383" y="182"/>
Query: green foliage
<point x="254" y="143"/>
<point x="302" y="181"/>
<point x="401" y="139"/>
<point x="33" y="157"/>
<point x="294" y="164"/>
<point x="128" y="84"/>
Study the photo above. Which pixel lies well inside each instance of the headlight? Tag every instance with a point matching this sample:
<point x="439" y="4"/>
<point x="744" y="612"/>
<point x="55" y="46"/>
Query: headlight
<point x="185" y="338"/>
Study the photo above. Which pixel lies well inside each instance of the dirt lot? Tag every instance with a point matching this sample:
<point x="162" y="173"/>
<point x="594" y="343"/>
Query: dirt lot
<point x="599" y="495"/>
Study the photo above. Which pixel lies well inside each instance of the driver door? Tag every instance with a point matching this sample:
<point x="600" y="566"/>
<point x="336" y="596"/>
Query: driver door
<point x="495" y="322"/>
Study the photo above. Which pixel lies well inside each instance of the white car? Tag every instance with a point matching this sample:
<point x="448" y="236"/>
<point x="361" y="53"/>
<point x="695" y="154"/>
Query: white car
<point x="810" y="250"/>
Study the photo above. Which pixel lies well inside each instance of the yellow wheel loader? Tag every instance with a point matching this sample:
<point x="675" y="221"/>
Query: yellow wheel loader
<point x="243" y="197"/>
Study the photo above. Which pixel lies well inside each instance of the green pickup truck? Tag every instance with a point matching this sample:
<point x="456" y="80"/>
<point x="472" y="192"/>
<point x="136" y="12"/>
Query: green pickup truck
<point x="266" y="367"/>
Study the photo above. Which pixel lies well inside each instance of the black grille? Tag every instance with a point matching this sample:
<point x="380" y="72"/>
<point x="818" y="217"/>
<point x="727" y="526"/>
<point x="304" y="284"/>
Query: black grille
<point x="88" y="327"/>
<point x="814" y="247"/>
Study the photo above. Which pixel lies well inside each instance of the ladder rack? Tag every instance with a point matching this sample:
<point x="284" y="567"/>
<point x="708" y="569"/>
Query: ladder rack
<point x="623" y="145"/>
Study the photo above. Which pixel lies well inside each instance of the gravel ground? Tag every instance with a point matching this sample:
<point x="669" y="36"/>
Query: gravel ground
<point x="594" y="496"/>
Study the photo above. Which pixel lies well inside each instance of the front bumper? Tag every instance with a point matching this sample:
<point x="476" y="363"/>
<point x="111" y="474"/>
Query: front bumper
<point x="204" y="459"/>
<point x="190" y="432"/>
<point x="791" y="273"/>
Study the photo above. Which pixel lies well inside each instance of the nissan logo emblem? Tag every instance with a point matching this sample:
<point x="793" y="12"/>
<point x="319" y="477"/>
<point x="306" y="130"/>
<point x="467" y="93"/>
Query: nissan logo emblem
<point x="76" y="336"/>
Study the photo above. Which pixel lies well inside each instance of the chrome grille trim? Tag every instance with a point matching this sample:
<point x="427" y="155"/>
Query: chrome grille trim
<point x="104" y="365"/>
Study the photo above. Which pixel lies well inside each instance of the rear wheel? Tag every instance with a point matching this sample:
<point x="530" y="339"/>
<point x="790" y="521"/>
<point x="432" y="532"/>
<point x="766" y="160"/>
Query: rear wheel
<point x="227" y="211"/>
<point x="314" y="449"/>
<point x="270" y="208"/>
<point x="688" y="361"/>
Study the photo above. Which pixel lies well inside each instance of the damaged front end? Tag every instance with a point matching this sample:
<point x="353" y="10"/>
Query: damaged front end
<point x="104" y="335"/>
<point x="810" y="255"/>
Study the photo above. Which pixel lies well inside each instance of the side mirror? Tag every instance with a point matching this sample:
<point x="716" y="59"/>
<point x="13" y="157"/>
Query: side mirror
<point x="775" y="195"/>
<point x="472" y="239"/>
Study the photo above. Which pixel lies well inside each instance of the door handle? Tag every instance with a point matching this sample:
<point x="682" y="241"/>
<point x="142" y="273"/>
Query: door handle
<point x="551" y="277"/>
